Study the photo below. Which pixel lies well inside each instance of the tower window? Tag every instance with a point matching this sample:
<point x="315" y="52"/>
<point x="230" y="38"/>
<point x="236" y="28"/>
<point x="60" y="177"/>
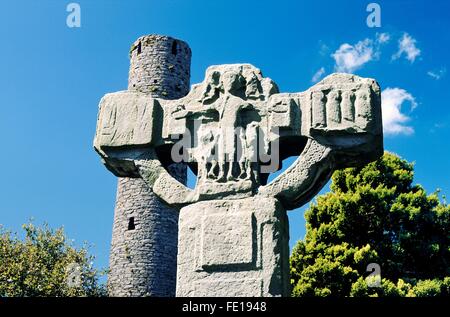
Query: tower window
<point x="174" y="47"/>
<point x="139" y="48"/>
<point x="131" y="225"/>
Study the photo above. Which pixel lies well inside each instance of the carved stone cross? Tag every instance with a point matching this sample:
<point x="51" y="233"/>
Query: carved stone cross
<point x="233" y="130"/>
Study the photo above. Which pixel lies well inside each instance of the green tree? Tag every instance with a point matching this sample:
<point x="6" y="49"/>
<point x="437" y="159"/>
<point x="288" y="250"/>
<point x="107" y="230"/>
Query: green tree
<point x="45" y="264"/>
<point x="374" y="214"/>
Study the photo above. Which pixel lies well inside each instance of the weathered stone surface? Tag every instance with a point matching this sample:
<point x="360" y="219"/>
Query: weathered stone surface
<point x="234" y="129"/>
<point x="233" y="248"/>
<point x="143" y="259"/>
<point x="126" y="118"/>
<point x="144" y="243"/>
<point x="340" y="117"/>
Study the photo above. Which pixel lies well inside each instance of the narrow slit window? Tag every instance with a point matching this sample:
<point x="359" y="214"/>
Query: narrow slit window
<point x="174" y="47"/>
<point x="131" y="224"/>
<point x="139" y="48"/>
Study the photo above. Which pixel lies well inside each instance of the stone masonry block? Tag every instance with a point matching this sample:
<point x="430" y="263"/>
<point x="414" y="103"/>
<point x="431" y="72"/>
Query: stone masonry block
<point x="222" y="245"/>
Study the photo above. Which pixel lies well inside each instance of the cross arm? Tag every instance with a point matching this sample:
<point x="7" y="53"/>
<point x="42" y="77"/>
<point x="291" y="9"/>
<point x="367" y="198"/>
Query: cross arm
<point x="341" y="119"/>
<point x="128" y="124"/>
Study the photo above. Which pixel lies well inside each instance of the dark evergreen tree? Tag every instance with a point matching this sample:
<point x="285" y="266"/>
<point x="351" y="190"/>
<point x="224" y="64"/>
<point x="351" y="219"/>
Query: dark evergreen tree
<point x="374" y="214"/>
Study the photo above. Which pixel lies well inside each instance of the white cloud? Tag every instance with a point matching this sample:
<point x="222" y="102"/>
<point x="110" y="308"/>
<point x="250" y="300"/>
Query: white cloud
<point x="407" y="46"/>
<point x="394" y="120"/>
<point x="437" y="126"/>
<point x="324" y="49"/>
<point x="349" y="58"/>
<point x="383" y="38"/>
<point x="437" y="74"/>
<point x="318" y="75"/>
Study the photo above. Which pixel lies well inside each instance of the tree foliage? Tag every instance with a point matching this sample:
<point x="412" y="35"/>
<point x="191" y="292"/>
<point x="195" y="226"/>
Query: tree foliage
<point x="45" y="264"/>
<point x="374" y="214"/>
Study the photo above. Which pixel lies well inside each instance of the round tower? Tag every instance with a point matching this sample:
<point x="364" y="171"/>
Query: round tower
<point x="143" y="256"/>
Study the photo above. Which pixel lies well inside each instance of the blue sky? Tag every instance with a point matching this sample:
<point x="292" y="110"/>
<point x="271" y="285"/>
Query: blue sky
<point x="52" y="77"/>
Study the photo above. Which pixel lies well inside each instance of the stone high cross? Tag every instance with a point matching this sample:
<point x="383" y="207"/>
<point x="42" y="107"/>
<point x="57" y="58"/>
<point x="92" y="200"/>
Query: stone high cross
<point x="232" y="130"/>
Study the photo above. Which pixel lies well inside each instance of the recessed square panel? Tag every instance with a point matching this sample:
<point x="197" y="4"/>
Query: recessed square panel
<point x="227" y="239"/>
